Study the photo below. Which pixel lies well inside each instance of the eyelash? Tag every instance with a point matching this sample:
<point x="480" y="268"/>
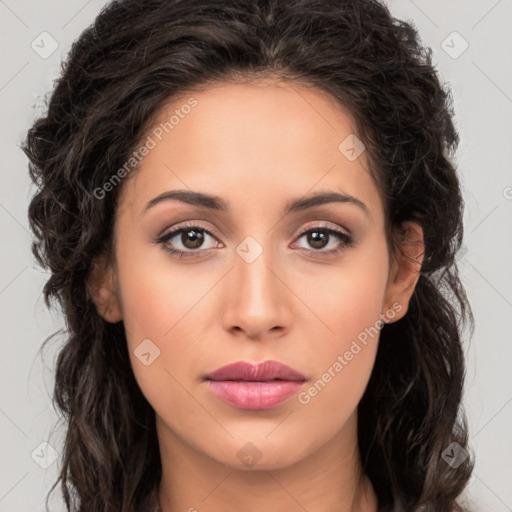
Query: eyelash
<point x="346" y="241"/>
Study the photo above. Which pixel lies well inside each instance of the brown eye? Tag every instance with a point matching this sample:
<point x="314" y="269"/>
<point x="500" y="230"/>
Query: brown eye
<point x="320" y="237"/>
<point x="187" y="241"/>
<point x="192" y="236"/>
<point x="317" y="239"/>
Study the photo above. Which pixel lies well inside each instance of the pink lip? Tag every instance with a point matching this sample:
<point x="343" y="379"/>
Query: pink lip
<point x="256" y="387"/>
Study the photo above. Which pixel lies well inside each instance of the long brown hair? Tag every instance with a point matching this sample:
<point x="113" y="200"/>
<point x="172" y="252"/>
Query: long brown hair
<point x="137" y="55"/>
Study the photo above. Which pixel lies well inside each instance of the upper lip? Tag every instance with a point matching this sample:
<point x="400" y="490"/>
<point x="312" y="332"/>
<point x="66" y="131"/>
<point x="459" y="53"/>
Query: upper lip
<point x="264" y="371"/>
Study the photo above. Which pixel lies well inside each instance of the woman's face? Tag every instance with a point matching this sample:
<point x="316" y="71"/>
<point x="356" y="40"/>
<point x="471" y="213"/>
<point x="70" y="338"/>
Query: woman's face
<point x="261" y="279"/>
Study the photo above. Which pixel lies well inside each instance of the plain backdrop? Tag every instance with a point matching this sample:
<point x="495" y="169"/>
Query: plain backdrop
<point x="471" y="43"/>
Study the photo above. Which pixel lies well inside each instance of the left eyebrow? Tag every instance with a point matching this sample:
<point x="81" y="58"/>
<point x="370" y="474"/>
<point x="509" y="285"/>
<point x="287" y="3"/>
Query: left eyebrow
<point x="219" y="204"/>
<point x="320" y="198"/>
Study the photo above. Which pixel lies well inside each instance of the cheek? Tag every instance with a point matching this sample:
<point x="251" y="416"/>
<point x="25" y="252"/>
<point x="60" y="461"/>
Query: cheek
<point x="348" y="298"/>
<point x="157" y="296"/>
<point x="343" y="368"/>
<point x="167" y="305"/>
<point x="156" y="313"/>
<point x="351" y="305"/>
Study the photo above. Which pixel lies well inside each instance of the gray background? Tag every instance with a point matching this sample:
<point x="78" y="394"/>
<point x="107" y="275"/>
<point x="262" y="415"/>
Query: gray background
<point x="480" y="78"/>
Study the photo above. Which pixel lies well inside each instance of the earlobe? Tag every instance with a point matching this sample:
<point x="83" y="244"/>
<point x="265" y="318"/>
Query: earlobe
<point x="405" y="270"/>
<point x="102" y="287"/>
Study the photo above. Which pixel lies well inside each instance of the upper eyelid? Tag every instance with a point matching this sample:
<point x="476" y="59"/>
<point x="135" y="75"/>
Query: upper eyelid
<point x="327" y="225"/>
<point x="324" y="225"/>
<point x="309" y="225"/>
<point x="181" y="227"/>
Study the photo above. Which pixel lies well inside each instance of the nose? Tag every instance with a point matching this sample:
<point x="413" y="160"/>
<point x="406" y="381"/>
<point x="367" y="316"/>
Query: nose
<point x="257" y="300"/>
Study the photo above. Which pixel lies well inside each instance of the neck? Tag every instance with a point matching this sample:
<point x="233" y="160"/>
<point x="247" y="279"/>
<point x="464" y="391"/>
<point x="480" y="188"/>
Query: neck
<point x="328" y="480"/>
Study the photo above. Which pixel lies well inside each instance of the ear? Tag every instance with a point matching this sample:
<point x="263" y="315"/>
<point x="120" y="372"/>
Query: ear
<point x="102" y="287"/>
<point x="405" y="270"/>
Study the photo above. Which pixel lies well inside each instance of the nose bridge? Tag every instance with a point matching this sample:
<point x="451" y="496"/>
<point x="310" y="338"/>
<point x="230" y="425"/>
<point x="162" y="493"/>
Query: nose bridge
<point x="256" y="300"/>
<point x="253" y="275"/>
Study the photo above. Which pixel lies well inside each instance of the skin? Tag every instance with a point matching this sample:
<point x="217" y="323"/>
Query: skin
<point x="256" y="146"/>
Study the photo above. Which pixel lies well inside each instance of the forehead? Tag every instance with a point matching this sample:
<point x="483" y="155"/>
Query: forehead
<point x="253" y="144"/>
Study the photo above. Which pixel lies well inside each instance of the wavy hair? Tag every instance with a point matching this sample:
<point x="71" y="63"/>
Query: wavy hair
<point x="137" y="56"/>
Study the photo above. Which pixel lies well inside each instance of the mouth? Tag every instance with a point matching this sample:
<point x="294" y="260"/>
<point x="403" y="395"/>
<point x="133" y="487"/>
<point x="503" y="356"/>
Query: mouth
<point x="255" y="386"/>
<point x="261" y="372"/>
<point x="254" y="396"/>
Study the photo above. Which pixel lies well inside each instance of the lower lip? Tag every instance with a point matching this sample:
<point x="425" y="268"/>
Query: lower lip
<point x="254" y="395"/>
